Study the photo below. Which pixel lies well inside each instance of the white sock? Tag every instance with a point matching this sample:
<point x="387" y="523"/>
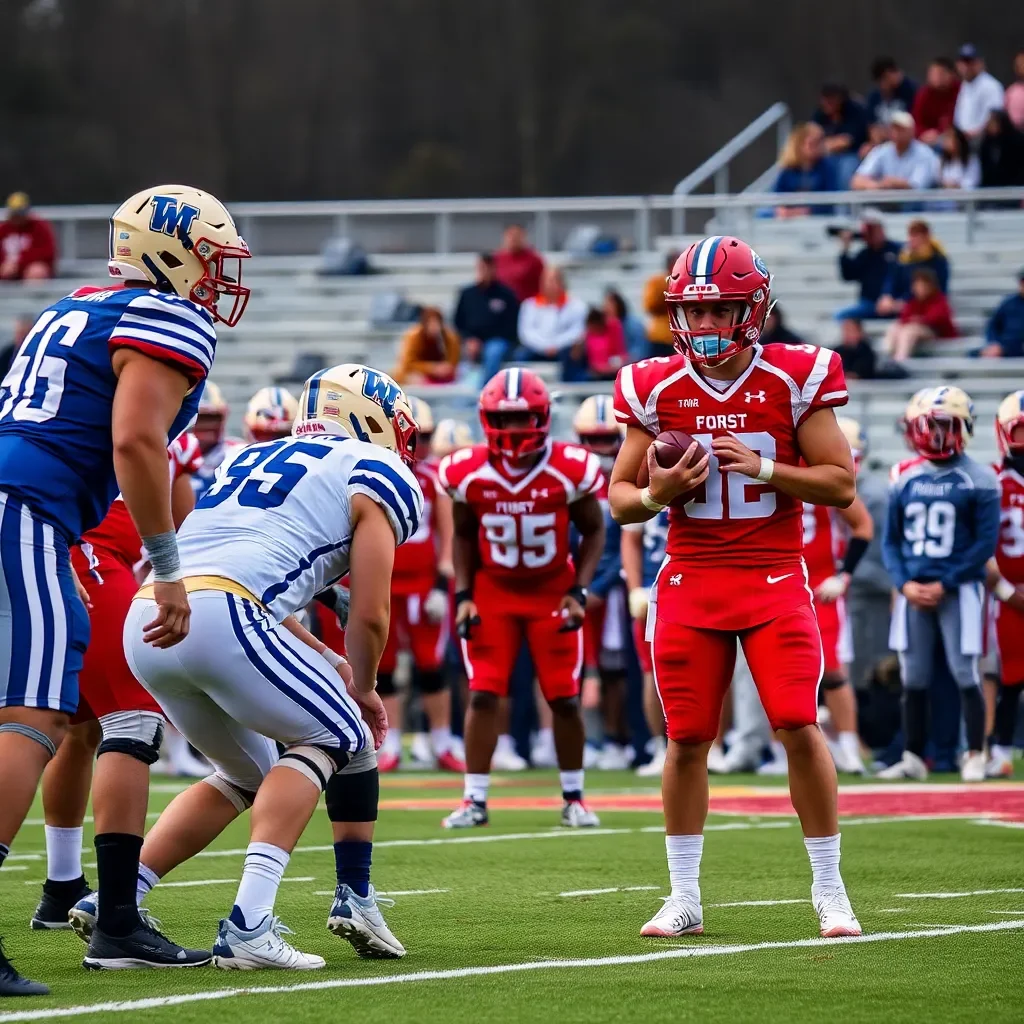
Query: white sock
<point x="849" y="743"/>
<point x="146" y="881"/>
<point x="505" y="744"/>
<point x="392" y="742"/>
<point x="571" y="782"/>
<point x="63" y="853"/>
<point x="261" y="876"/>
<point x="441" y="739"/>
<point x="475" y="788"/>
<point x="546" y="738"/>
<point x="824" y="854"/>
<point x="684" y="854"/>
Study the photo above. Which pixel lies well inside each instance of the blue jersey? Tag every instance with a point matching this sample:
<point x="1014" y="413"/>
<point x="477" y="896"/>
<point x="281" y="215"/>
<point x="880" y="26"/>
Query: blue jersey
<point x="56" y="449"/>
<point x="609" y="569"/>
<point x="943" y="522"/>
<point x="655" y="538"/>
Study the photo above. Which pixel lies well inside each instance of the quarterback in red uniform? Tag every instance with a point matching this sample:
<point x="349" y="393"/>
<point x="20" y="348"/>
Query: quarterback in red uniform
<point x="514" y="499"/>
<point x="733" y="570"/>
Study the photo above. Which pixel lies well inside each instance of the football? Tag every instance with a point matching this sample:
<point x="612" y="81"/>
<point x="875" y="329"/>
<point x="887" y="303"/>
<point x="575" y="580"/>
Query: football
<point x="669" y="447"/>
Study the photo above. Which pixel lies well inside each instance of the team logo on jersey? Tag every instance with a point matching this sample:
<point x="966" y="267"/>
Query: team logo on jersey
<point x="538" y="492"/>
<point x="676" y="580"/>
<point x="754" y="396"/>
<point x="382" y="390"/>
<point x="171" y="218"/>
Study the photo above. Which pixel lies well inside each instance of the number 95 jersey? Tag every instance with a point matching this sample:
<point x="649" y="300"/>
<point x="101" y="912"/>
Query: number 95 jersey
<point x="277" y="519"/>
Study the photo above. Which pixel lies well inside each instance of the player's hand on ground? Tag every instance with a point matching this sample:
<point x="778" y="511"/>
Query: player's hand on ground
<point x="170" y="626"/>
<point x="371" y="707"/>
<point x="667" y="484"/>
<point x="830" y="590"/>
<point x="922" y="595"/>
<point x="572" y="614"/>
<point x="83" y="594"/>
<point x="735" y="457"/>
<point x="466" y="617"/>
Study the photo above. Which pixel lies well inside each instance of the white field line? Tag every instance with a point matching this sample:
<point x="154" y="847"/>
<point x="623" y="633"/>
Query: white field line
<point x="601" y="892"/>
<point x="892" y="910"/>
<point x="950" y="895"/>
<point x="14" y="867"/>
<point x="673" y="953"/>
<point x="390" y="892"/>
<point x="998" y="823"/>
<point x="758" y="903"/>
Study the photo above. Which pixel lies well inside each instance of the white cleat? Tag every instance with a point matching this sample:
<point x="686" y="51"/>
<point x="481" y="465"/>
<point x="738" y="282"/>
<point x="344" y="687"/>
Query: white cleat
<point x="261" y="948"/>
<point x="774" y="767"/>
<point x="421" y="752"/>
<point x="909" y="766"/>
<point x="973" y="767"/>
<point x="738" y="759"/>
<point x="359" y="921"/>
<point x="467" y="815"/>
<point x="505" y="758"/>
<point x="835" y="913"/>
<point x="848" y="761"/>
<point x="1000" y="763"/>
<point x="716" y="759"/>
<point x="678" y="916"/>
<point x="543" y="755"/>
<point x="613" y="758"/>
<point x="654" y="767"/>
<point x="576" y="814"/>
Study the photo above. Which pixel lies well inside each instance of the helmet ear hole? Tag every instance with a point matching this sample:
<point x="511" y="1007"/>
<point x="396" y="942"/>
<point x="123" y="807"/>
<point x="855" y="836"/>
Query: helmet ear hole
<point x="170" y="260"/>
<point x="375" y="427"/>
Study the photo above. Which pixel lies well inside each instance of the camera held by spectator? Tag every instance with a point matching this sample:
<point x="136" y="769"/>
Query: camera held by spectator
<point x="871" y="267"/>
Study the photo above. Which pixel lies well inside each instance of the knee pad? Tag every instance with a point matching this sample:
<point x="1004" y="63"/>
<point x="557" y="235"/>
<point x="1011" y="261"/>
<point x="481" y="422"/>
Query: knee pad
<point x="832" y="682"/>
<point x="239" y="798"/>
<point x="135" y="733"/>
<point x="385" y="684"/>
<point x="429" y="682"/>
<point x="353" y="793"/>
<point x="316" y="763"/>
<point x="20" y="729"/>
<point x="565" y="706"/>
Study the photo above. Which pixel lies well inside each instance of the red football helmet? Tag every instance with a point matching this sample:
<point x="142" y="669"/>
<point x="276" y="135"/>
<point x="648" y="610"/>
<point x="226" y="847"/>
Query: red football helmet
<point x="718" y="269"/>
<point x="515" y="391"/>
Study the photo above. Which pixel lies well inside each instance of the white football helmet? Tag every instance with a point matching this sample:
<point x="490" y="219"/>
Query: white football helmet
<point x="183" y="241"/>
<point x="270" y="414"/>
<point x="1009" y="418"/>
<point x="424" y="417"/>
<point x="596" y="426"/>
<point x="359" y="402"/>
<point x="449" y="436"/>
<point x="940" y="421"/>
<point x="211" y="419"/>
<point x="855" y="435"/>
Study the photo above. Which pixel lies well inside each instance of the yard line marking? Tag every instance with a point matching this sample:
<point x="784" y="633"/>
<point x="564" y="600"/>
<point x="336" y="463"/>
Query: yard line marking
<point x="758" y="903"/>
<point x="893" y="910"/>
<point x="23" y="856"/>
<point x="601" y="892"/>
<point x="950" y="895"/>
<point x="14" y="867"/>
<point x="998" y="823"/>
<point x="1010" y="913"/>
<point x="676" y="952"/>
<point x="390" y="892"/>
<point x="223" y="881"/>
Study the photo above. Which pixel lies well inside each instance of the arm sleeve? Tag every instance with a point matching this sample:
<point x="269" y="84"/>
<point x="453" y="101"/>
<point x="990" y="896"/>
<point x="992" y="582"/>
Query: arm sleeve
<point x="970" y="566"/>
<point x="392" y="487"/>
<point x="892" y="541"/>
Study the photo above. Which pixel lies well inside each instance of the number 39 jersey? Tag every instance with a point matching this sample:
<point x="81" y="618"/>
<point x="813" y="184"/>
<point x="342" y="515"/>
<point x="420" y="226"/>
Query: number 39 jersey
<point x="56" y="451"/>
<point x="1010" y="553"/>
<point x="733" y="520"/>
<point x="277" y="519"/>
<point x="524" y="520"/>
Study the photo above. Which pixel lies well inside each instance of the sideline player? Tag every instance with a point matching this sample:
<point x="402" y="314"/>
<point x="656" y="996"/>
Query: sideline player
<point x="942" y="529"/>
<point x="102" y="382"/>
<point x="514" y="499"/>
<point x="283" y="520"/>
<point x="734" y="570"/>
<point x="210" y="428"/>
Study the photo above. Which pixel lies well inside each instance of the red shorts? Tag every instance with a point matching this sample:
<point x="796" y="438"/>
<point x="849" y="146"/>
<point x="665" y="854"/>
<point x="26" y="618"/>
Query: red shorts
<point x="1010" y="636"/>
<point x="835" y="636"/>
<point x="693" y="668"/>
<point x="643" y="645"/>
<point x="507" y="617"/>
<point x="412" y="630"/>
<point x="106" y="683"/>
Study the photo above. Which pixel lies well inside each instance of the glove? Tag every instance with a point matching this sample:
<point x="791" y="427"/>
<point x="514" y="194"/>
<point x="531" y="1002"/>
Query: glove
<point x="833" y="588"/>
<point x="435" y="607"/>
<point x="639" y="599"/>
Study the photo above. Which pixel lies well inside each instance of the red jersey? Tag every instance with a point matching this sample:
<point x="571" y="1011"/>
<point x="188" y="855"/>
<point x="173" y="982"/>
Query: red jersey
<point x="416" y="559"/>
<point x="733" y="520"/>
<point x="1010" y="548"/>
<point x="822" y="543"/>
<point x="116" y="533"/>
<point x="524" y="520"/>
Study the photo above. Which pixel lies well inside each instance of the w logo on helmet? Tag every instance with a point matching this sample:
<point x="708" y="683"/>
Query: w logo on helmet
<point x="380" y="388"/>
<point x="170" y="218"/>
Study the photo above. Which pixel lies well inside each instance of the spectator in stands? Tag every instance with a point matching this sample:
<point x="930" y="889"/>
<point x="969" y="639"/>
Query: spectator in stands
<point x="775" y="329"/>
<point x="633" y="328"/>
<point x="552" y="323"/>
<point x="1014" y="99"/>
<point x="924" y="316"/>
<point x="1001" y="154"/>
<point x="935" y="101"/>
<point x="855" y="351"/>
<point x="603" y="351"/>
<point x="1004" y="335"/>
<point x="871" y="268"/>
<point x="921" y="250"/>
<point x="893" y="91"/>
<point x="803" y="167"/>
<point x="902" y="162"/>
<point x="958" y="166"/>
<point x="980" y="93"/>
<point x="517" y="265"/>
<point x="428" y="352"/>
<point x="486" y="315"/>
<point x="845" y="123"/>
<point x="658" y="332"/>
<point x="28" y="251"/>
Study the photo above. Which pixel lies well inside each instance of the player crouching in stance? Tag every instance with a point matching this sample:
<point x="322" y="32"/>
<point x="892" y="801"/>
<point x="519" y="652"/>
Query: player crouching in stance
<point x="283" y="520"/>
<point x="733" y="569"/>
<point x="513" y="500"/>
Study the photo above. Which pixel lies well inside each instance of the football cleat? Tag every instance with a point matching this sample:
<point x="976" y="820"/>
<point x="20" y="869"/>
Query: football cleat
<point x="358" y="919"/>
<point x="468" y="815"/>
<point x="774" y="767"/>
<point x="259" y="948"/>
<point x="835" y="913"/>
<point x="1000" y="763"/>
<point x="146" y="946"/>
<point x="82" y="916"/>
<point x="716" y="759"/>
<point x="847" y="758"/>
<point x="52" y="912"/>
<point x="448" y="762"/>
<point x="654" y="767"/>
<point x="421" y="752"/>
<point x="543" y="755"/>
<point x="388" y="763"/>
<point x="505" y="758"/>
<point x="678" y="916"/>
<point x="576" y="814"/>
<point x="13" y="984"/>
<point x="973" y="767"/>
<point x="613" y="758"/>
<point x="909" y="766"/>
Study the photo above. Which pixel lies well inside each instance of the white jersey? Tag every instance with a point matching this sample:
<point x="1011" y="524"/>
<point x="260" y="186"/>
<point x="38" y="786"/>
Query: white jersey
<point x="277" y="518"/>
<point x="206" y="473"/>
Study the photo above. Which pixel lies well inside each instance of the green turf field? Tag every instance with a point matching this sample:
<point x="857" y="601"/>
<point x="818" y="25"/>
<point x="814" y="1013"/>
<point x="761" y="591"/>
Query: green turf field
<point x="523" y="921"/>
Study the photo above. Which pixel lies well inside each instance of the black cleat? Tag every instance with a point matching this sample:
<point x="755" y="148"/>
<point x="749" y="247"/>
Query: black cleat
<point x="58" y="899"/>
<point x="146" y="946"/>
<point x="13" y="984"/>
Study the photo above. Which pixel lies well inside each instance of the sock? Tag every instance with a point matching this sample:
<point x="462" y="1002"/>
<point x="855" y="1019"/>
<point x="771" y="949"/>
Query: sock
<point x="972" y="705"/>
<point x="261" y="876"/>
<point x="117" y="868"/>
<point x="441" y="739"/>
<point x="392" y="742"/>
<point x="572" y="784"/>
<point x="546" y="738"/>
<point x="849" y="743"/>
<point x="352" y="861"/>
<point x="684" y="854"/>
<point x="146" y="880"/>
<point x="475" y="788"/>
<point x="824" y="854"/>
<point x="915" y="720"/>
<point x="1007" y="702"/>
<point x="4" y="850"/>
<point x="63" y="853"/>
<point x="505" y="744"/>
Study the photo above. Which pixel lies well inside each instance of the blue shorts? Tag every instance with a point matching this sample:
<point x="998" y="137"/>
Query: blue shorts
<point x="44" y="627"/>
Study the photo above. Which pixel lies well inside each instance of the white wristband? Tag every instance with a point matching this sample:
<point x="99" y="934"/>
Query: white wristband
<point x="333" y="658"/>
<point x="764" y="474"/>
<point x="649" y="502"/>
<point x="1004" y="589"/>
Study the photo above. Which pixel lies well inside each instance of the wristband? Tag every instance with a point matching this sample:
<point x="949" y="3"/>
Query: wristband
<point x="649" y="503"/>
<point x="463" y="595"/>
<point x="441" y="582"/>
<point x="578" y="594"/>
<point x="1004" y="589"/>
<point x="333" y="658"/>
<point x="764" y="474"/>
<point x="854" y="553"/>
<point x="162" y="549"/>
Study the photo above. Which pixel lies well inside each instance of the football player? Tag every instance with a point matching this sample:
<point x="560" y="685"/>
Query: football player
<point x="102" y="382"/>
<point x="765" y="417"/>
<point x="942" y="529"/>
<point x="215" y="446"/>
<point x="420" y="585"/>
<point x="269" y="415"/>
<point x="449" y="436"/>
<point x="1007" y="582"/>
<point x="341" y="500"/>
<point x="514" y="499"/>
